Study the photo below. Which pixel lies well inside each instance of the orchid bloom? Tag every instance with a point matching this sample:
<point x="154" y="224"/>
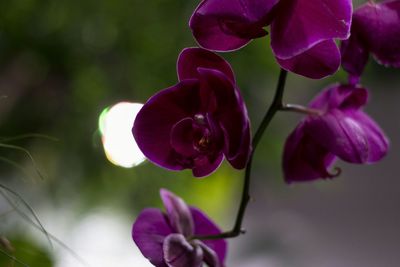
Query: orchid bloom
<point x="375" y="30"/>
<point x="165" y="238"/>
<point x="302" y="31"/>
<point x="197" y="122"/>
<point x="340" y="130"/>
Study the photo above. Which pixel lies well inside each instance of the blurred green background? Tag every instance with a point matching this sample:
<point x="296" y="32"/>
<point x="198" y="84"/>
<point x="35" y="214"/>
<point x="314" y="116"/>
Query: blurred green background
<point x="63" y="62"/>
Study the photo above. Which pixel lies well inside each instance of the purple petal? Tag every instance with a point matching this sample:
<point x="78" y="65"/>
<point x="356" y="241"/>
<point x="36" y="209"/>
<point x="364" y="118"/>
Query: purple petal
<point x="354" y="54"/>
<point x="240" y="160"/>
<point x="325" y="99"/>
<point x="204" y="226"/>
<point x="340" y="133"/>
<point x="353" y="97"/>
<point x="344" y="97"/>
<point x="379" y="25"/>
<point x="190" y="59"/>
<point x="149" y="231"/>
<point x="182" y="136"/>
<point x="225" y="25"/>
<point x="301" y="24"/>
<point x="178" y="213"/>
<point x="231" y="114"/>
<point x="206" y="164"/>
<point x="342" y="129"/>
<point x="304" y="159"/>
<point x="153" y="124"/>
<point x="319" y="61"/>
<point x="180" y="253"/>
<point x="351" y="135"/>
<point x="378" y="143"/>
<point x="210" y="257"/>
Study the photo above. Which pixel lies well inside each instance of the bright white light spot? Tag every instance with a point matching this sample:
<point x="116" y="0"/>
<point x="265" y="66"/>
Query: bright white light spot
<point x="115" y="126"/>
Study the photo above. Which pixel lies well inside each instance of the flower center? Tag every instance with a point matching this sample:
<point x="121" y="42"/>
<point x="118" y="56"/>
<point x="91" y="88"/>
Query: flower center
<point x="203" y="144"/>
<point x="203" y="136"/>
<point x="197" y="138"/>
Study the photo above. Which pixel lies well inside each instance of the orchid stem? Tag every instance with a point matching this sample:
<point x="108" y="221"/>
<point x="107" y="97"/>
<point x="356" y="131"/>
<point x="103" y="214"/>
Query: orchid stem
<point x="276" y="105"/>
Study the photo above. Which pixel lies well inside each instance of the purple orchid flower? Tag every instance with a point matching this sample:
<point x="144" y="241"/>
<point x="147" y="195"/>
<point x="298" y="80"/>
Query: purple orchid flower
<point x="302" y="31"/>
<point x="165" y="238"/>
<point x="198" y="121"/>
<point x="375" y="30"/>
<point x="340" y="130"/>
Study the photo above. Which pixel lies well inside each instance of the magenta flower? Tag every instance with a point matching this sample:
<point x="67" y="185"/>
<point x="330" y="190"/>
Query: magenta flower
<point x="165" y="238"/>
<point x="195" y="123"/>
<point x="375" y="30"/>
<point x="302" y="31"/>
<point x="340" y="130"/>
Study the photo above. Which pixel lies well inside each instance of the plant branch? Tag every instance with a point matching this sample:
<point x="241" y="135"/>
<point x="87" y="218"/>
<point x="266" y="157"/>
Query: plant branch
<point x="274" y="107"/>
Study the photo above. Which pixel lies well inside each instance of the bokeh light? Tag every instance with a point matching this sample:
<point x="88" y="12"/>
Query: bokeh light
<point x="102" y="239"/>
<point x="115" y="125"/>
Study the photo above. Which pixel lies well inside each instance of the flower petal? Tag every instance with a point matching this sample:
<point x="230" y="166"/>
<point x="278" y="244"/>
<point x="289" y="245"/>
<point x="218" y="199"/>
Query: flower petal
<point x="206" y="164"/>
<point x="343" y="97"/>
<point x="190" y="59"/>
<point x="225" y="25"/>
<point x="319" y="61"/>
<point x="304" y="159"/>
<point x="149" y="231"/>
<point x="204" y="226"/>
<point x="231" y="114"/>
<point x="378" y="143"/>
<point x="354" y="54"/>
<point x="180" y="253"/>
<point x="153" y="124"/>
<point x="240" y="159"/>
<point x="379" y="25"/>
<point x="353" y="98"/>
<point x="301" y="24"/>
<point x="178" y="213"/>
<point x="210" y="257"/>
<point x="182" y="135"/>
<point x="341" y="134"/>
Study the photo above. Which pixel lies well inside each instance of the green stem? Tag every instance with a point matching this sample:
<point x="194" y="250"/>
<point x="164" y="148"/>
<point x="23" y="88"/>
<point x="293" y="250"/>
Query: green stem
<point x="275" y="106"/>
